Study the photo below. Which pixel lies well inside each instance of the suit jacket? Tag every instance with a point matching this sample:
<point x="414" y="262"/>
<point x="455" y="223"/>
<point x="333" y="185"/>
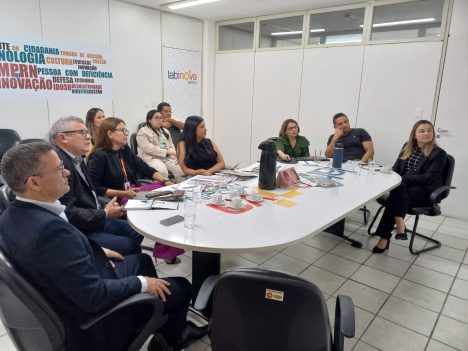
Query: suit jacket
<point x="70" y="270"/>
<point x="428" y="173"/>
<point x="80" y="202"/>
<point x="106" y="171"/>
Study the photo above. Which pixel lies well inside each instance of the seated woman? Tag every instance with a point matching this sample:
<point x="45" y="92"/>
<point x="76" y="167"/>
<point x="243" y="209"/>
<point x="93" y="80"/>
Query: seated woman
<point x="94" y="118"/>
<point x="290" y="144"/>
<point x="196" y="153"/>
<point x="114" y="170"/>
<point x="420" y="165"/>
<point x="155" y="147"/>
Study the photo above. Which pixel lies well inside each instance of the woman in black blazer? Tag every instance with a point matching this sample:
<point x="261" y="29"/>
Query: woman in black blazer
<point x="113" y="167"/>
<point x="420" y="165"/>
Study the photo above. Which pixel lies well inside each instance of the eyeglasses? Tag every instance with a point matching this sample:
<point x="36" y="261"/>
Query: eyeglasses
<point x="59" y="169"/>
<point x="84" y="132"/>
<point x="123" y="130"/>
<point x="292" y="128"/>
<point x="156" y="117"/>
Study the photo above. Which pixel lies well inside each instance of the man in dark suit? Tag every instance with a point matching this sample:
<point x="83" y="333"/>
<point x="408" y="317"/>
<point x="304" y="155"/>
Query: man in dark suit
<point x="72" y="140"/>
<point x="72" y="270"/>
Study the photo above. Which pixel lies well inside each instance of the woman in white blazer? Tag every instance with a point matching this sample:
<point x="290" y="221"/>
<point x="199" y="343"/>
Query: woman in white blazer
<point x="156" y="148"/>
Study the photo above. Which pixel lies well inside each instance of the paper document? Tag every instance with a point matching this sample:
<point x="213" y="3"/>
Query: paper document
<point x="138" y="204"/>
<point x="169" y="205"/>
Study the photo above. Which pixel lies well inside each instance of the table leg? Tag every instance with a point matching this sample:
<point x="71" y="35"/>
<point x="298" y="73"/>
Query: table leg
<point x="204" y="264"/>
<point x="338" y="230"/>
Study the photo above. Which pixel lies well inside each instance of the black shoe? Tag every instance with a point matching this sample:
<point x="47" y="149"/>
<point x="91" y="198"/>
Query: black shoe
<point x="377" y="249"/>
<point x="190" y="334"/>
<point x="401" y="236"/>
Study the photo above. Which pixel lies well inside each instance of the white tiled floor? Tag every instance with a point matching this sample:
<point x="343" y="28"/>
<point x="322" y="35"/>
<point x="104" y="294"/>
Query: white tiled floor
<point x="402" y="302"/>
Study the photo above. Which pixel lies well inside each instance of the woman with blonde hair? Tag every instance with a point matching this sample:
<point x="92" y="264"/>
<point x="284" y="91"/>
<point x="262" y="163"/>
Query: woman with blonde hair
<point x="420" y="165"/>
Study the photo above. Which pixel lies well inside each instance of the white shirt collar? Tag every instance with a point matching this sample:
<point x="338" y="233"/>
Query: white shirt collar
<point x="55" y="207"/>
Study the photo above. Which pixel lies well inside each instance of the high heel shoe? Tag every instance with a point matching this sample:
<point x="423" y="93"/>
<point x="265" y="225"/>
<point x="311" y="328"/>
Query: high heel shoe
<point x="401" y="236"/>
<point x="377" y="249"/>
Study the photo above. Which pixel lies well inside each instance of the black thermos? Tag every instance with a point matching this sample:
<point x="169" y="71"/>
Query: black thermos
<point x="267" y="176"/>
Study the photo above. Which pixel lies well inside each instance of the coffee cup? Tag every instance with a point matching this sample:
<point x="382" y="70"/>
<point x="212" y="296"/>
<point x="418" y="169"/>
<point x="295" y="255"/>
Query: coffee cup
<point x="254" y="196"/>
<point x="233" y="193"/>
<point x="217" y="199"/>
<point x="236" y="202"/>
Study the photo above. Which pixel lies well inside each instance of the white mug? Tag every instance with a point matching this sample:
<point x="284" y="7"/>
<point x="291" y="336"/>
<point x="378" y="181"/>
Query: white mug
<point x="233" y="193"/>
<point x="236" y="202"/>
<point x="217" y="199"/>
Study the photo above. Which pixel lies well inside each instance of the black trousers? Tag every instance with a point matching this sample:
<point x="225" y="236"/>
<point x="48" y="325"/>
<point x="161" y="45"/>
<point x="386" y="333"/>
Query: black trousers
<point x="400" y="200"/>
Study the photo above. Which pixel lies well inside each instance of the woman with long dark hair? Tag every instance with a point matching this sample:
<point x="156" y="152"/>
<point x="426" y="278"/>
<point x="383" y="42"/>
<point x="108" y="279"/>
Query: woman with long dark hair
<point x="94" y="118"/>
<point x="155" y="147"/>
<point x="289" y="143"/>
<point x="196" y="153"/>
<point x="420" y="165"/>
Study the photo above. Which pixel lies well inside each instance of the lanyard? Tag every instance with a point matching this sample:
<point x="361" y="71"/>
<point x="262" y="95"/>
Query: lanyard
<point x="123" y="169"/>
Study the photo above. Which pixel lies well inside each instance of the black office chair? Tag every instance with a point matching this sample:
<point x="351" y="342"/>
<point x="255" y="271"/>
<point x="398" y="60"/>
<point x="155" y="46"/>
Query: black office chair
<point x="32" y="140"/>
<point x="33" y="324"/>
<point x="8" y="139"/>
<point x="433" y="209"/>
<point x="6" y="197"/>
<point x="133" y="143"/>
<point x="257" y="309"/>
<point x="141" y="125"/>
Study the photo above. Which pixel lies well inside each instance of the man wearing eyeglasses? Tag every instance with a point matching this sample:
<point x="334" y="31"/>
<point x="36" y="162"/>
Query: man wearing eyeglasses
<point x="72" y="141"/>
<point x="71" y="270"/>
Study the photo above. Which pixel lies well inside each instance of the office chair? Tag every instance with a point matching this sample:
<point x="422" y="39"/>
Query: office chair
<point x="33" y="324"/>
<point x="432" y="209"/>
<point x="257" y="309"/>
<point x="8" y="139"/>
<point x="133" y="143"/>
<point x="141" y="125"/>
<point x="6" y="197"/>
<point x="32" y="140"/>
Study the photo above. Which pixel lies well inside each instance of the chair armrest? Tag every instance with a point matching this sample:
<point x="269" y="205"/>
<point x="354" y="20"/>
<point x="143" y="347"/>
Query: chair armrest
<point x="344" y="314"/>
<point x="434" y="198"/>
<point x="344" y="321"/>
<point x="205" y="292"/>
<point x="142" y="298"/>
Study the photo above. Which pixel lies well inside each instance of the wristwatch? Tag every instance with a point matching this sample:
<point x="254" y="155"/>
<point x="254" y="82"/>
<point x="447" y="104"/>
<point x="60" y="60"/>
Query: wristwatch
<point x="165" y="180"/>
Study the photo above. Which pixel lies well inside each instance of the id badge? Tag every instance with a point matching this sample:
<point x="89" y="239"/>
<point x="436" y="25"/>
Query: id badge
<point x="127" y="185"/>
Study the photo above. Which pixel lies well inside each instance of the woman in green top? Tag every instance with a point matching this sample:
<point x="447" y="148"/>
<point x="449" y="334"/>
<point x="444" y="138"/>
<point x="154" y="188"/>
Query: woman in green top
<point x="290" y="144"/>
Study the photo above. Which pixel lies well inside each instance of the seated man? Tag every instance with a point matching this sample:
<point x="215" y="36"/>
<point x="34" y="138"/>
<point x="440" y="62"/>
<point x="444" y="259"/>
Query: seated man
<point x="357" y="143"/>
<point x="171" y="123"/>
<point x="72" y="270"/>
<point x="72" y="140"/>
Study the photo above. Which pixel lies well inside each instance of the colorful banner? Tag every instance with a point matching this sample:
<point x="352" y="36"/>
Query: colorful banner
<point x="182" y="81"/>
<point x="49" y="70"/>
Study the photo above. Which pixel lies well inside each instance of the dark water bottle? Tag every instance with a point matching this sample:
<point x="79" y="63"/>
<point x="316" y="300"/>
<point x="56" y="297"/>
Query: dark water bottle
<point x="267" y="175"/>
<point x="338" y="155"/>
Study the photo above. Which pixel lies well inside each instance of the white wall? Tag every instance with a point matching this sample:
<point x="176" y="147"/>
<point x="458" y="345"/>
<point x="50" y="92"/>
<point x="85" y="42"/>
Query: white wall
<point x="134" y="34"/>
<point x="451" y="111"/>
<point x="383" y="88"/>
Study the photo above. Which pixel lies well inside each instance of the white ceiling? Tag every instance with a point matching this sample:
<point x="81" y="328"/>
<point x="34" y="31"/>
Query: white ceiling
<point x="233" y="9"/>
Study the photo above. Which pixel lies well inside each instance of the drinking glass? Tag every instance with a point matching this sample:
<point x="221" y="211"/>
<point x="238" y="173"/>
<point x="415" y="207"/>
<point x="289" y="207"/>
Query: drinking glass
<point x="190" y="213"/>
<point x="197" y="194"/>
<point x="357" y="167"/>
<point x="371" y="166"/>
